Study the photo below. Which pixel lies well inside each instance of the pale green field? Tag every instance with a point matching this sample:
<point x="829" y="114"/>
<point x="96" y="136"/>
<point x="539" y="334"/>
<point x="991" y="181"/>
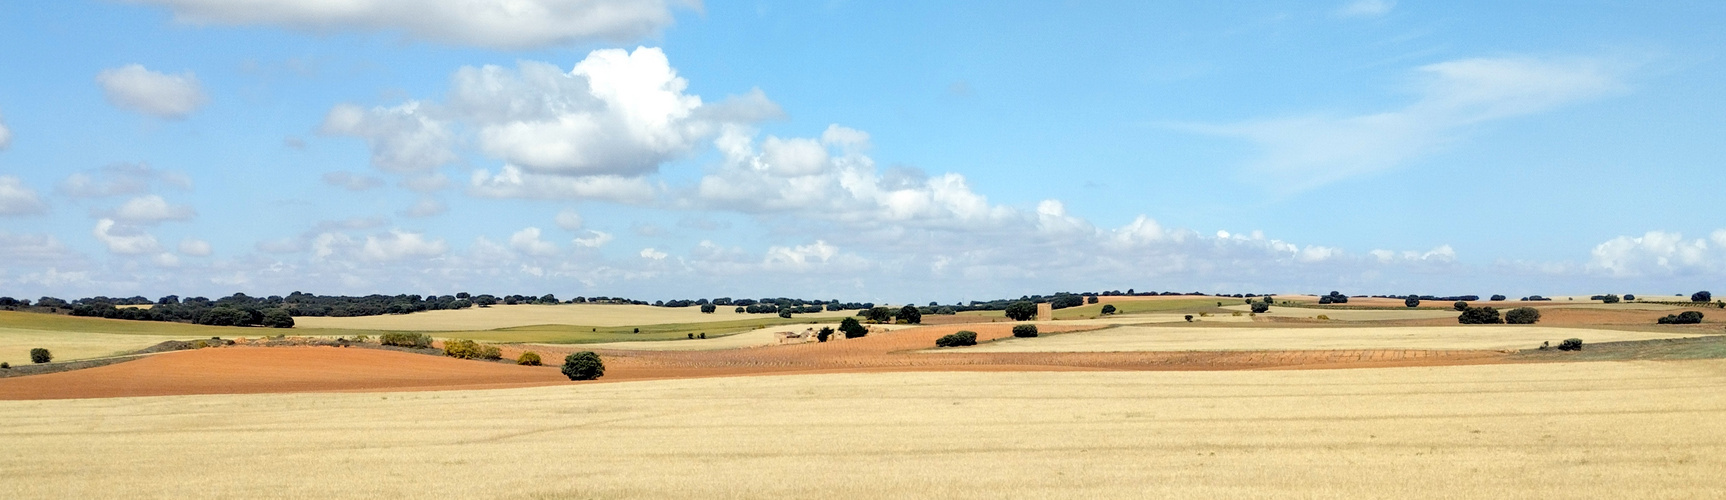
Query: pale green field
<point x="590" y="315"/>
<point x="16" y="343"/>
<point x="1585" y="430"/>
<point x="1253" y="338"/>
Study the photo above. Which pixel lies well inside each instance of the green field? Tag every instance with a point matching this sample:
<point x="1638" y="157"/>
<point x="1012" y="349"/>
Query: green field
<point x="1171" y="306"/>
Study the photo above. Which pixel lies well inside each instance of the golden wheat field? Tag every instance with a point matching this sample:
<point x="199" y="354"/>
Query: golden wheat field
<point x="1597" y="430"/>
<point x="1178" y="338"/>
<point x="16" y="343"/>
<point x="501" y="316"/>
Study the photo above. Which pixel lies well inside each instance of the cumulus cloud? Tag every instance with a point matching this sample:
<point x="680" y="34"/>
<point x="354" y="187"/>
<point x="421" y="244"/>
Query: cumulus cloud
<point x="649" y="253"/>
<point x="1660" y="253"/>
<point x="352" y="182"/>
<point x="801" y="256"/>
<point x="527" y="242"/>
<point x="119" y="180"/>
<point x="596" y="240"/>
<point x="1441" y="254"/>
<point x="1305" y="152"/>
<point x="195" y="247"/>
<point x="135" y="88"/>
<point x="151" y="209"/>
<point x="398" y="244"/>
<point x="512" y="182"/>
<point x="569" y="220"/>
<point x="498" y="24"/>
<point x="403" y="139"/>
<point x="1366" y="8"/>
<point x="18" y="199"/>
<point x="124" y="240"/>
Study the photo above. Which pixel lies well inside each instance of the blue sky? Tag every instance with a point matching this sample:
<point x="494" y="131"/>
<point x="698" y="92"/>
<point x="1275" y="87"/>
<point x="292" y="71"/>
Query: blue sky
<point x="928" y="151"/>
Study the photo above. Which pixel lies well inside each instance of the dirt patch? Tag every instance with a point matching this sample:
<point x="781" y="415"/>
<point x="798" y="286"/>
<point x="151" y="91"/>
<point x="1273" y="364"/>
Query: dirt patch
<point x="247" y="370"/>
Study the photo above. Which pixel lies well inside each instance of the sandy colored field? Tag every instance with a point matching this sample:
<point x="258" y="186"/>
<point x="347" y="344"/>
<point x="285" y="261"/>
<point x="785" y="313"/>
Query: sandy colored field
<point x="487" y="318"/>
<point x="246" y="370"/>
<point x="1596" y="430"/>
<point x="754" y="338"/>
<point x="15" y="344"/>
<point x="1162" y="338"/>
<point x="1350" y="314"/>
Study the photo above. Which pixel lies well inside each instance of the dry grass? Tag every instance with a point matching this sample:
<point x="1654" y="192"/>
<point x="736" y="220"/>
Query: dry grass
<point x="15" y="344"/>
<point x="1163" y="338"/>
<point x="494" y="317"/>
<point x="1350" y="314"/>
<point x="1597" y="430"/>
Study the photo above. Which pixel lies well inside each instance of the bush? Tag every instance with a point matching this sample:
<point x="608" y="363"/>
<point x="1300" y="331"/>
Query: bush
<point x="40" y="355"/>
<point x="414" y="340"/>
<point x="468" y="349"/>
<point x="1479" y="316"/>
<point x="1091" y="299"/>
<point x="5" y="365"/>
<point x="1411" y="301"/>
<point x="278" y="318"/>
<point x="785" y="313"/>
<point x="1025" y="331"/>
<point x="823" y="334"/>
<point x="1259" y="307"/>
<point x="1190" y="317"/>
<point x="709" y="308"/>
<point x="878" y="315"/>
<point x="1702" y="296"/>
<point x="852" y="329"/>
<point x="1629" y="297"/>
<point x="1498" y="298"/>
<point x="961" y="338"/>
<point x="584" y="365"/>
<point x="1460" y="306"/>
<point x="1323" y="317"/>
<point x="1610" y="299"/>
<point x="1109" y="309"/>
<point x="739" y="310"/>
<point x="1021" y="310"/>
<point x="1570" y="345"/>
<point x="1522" y="316"/>
<point x="910" y="315"/>
<point x="528" y="358"/>
<point x="1683" y="318"/>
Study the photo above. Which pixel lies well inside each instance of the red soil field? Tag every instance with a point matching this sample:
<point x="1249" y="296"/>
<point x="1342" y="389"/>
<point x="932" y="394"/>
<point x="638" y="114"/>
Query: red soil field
<point x="241" y="370"/>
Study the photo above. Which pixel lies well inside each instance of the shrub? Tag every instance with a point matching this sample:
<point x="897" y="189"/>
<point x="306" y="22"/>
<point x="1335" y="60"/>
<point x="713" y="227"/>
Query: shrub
<point x="528" y="358"/>
<point x="1479" y="316"/>
<point x="1683" y="318"/>
<point x="961" y="338"/>
<point x="852" y="329"/>
<point x="910" y="315"/>
<point x="1411" y="301"/>
<point x="1322" y="317"/>
<point x="823" y="334"/>
<point x="1021" y="310"/>
<point x="709" y="308"/>
<point x="1610" y="299"/>
<point x="1190" y="317"/>
<point x="584" y="365"/>
<point x="1497" y="298"/>
<point x="278" y="318"/>
<point x="1570" y="345"/>
<point x="1629" y="297"/>
<point x="702" y="335"/>
<point x="1091" y="299"/>
<point x="1259" y="307"/>
<point x="1460" y="306"/>
<point x="414" y="340"/>
<point x="468" y="349"/>
<point x="200" y="344"/>
<point x="40" y="355"/>
<point x="1522" y="316"/>
<point x="1109" y="309"/>
<point x="1702" y="296"/>
<point x="785" y="313"/>
<point x="5" y="365"/>
<point x="361" y="338"/>
<point x="1025" y="330"/>
<point x="739" y="310"/>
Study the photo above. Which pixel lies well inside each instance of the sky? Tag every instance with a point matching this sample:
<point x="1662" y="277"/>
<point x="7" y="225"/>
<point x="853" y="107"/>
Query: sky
<point x="906" y="152"/>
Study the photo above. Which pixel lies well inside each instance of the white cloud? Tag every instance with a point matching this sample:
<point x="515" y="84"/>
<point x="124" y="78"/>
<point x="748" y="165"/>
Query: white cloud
<point x="151" y="209"/>
<point x="404" y="138"/>
<point x="499" y="24"/>
<point x="124" y="240"/>
<point x="195" y="247"/>
<point x="5" y="134"/>
<point x="1366" y="8"/>
<point x="649" y="253"/>
<point x="398" y="245"/>
<point x="352" y="182"/>
<point x="599" y="239"/>
<point x="425" y="207"/>
<point x="166" y="259"/>
<point x="527" y="242"/>
<point x="161" y="95"/>
<point x="1659" y="253"/>
<point x="569" y="220"/>
<point x="1305" y="152"/>
<point x="801" y="256"/>
<point x="1443" y="254"/>
<point x="120" y="179"/>
<point x="31" y="248"/>
<point x="512" y="182"/>
<point x="18" y="199"/>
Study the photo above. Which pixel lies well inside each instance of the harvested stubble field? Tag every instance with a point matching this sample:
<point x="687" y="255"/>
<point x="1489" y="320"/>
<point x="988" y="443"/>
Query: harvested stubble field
<point x="501" y="316"/>
<point x="1185" y="338"/>
<point x="1597" y="430"/>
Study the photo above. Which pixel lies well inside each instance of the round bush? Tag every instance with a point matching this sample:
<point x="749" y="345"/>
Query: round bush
<point x="414" y="340"/>
<point x="1109" y="309"/>
<point x="1479" y="316"/>
<point x="528" y="358"/>
<point x="1683" y="318"/>
<point x="1460" y="306"/>
<point x="40" y="355"/>
<point x="957" y="339"/>
<point x="1522" y="316"/>
<point x="1260" y="307"/>
<point x="1025" y="331"/>
<point x="1570" y="345"/>
<point x="1411" y="301"/>
<point x="584" y="365"/>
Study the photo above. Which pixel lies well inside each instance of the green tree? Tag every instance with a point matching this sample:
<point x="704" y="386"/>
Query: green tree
<point x="584" y="365"/>
<point x="1522" y="316"/>
<point x="880" y="315"/>
<point x="1411" y="301"/>
<point x="1022" y="310"/>
<point x="910" y="315"/>
<point x="1479" y="316"/>
<point x="1025" y="330"/>
<point x="1261" y="307"/>
<point x="823" y="334"/>
<point x="1460" y="306"/>
<point x="40" y="355"/>
<point x="852" y="328"/>
<point x="1109" y="309"/>
<point x="709" y="308"/>
<point x="278" y="318"/>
